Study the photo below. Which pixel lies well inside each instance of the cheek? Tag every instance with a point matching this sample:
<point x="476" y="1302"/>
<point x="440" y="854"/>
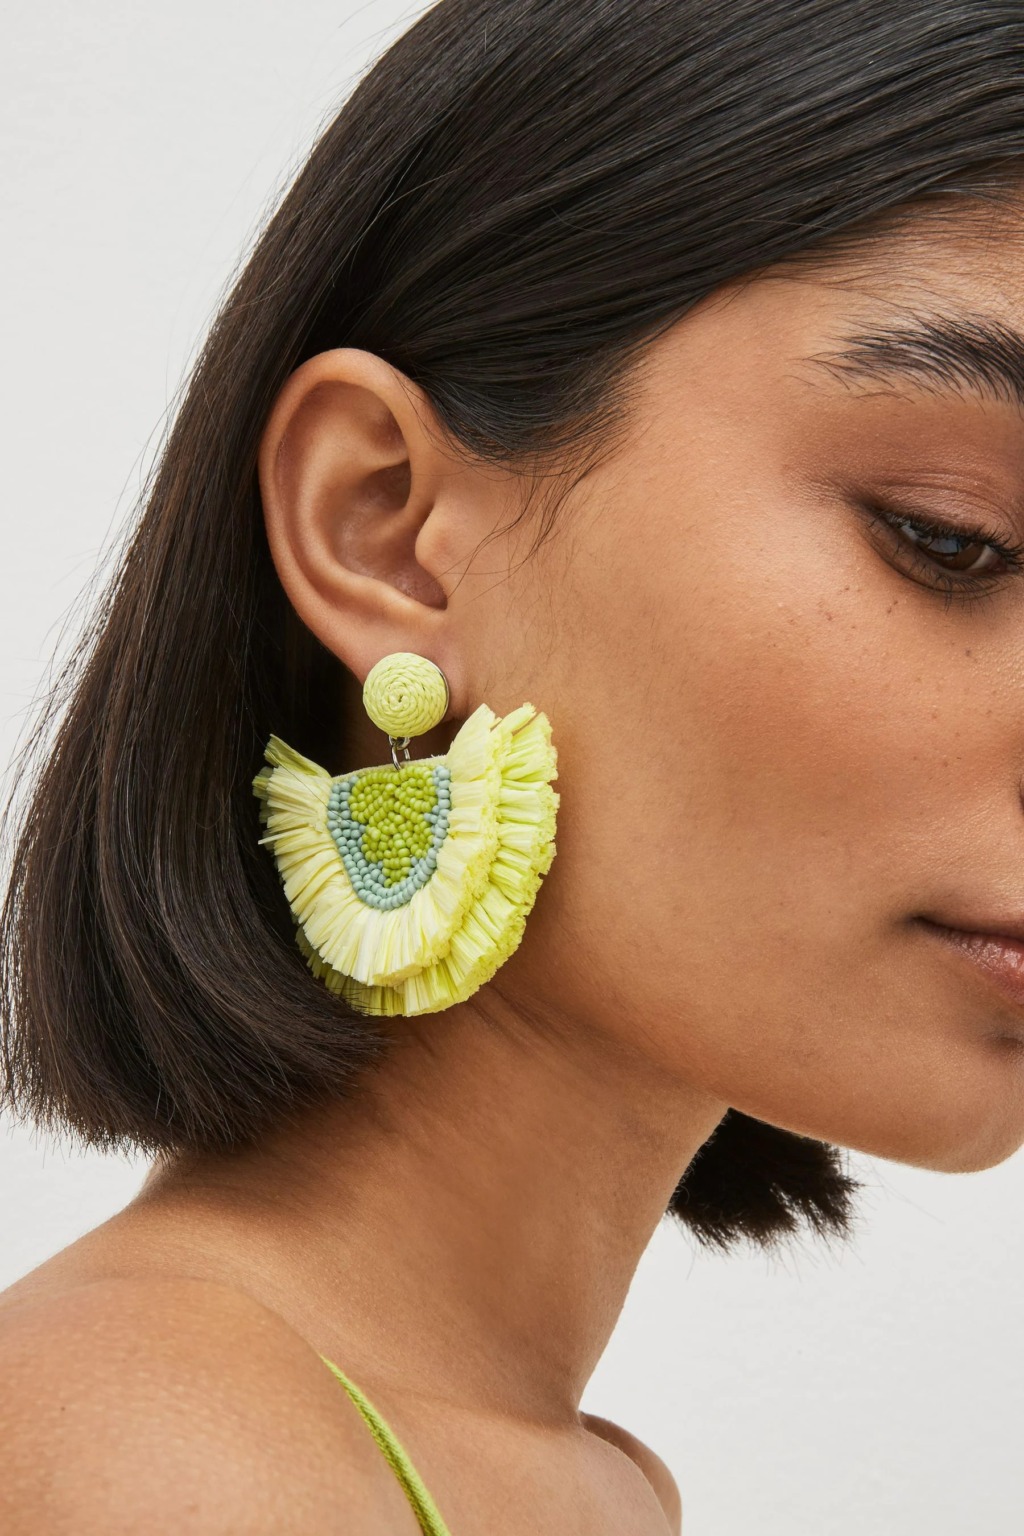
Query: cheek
<point x="763" y="750"/>
<point x="764" y="747"/>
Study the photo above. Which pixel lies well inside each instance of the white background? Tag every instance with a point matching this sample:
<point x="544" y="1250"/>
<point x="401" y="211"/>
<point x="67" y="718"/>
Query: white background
<point x="877" y="1390"/>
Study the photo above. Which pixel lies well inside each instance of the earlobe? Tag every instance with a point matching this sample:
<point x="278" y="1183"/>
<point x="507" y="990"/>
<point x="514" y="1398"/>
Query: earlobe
<point x="349" y="474"/>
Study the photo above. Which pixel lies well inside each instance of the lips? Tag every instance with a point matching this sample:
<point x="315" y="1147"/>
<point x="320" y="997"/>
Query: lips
<point x="999" y="954"/>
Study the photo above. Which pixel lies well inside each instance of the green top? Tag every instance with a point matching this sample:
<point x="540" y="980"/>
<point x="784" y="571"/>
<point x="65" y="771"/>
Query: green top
<point x="426" y="1510"/>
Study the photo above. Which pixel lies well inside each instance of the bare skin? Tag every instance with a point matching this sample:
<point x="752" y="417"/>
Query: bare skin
<point x="781" y="744"/>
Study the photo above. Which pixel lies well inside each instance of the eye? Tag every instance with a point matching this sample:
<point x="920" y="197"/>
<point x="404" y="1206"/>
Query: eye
<point x="953" y="551"/>
<point x="964" y="562"/>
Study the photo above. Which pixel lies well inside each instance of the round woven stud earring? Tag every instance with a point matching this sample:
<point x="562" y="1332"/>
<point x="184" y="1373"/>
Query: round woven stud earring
<point x="410" y="883"/>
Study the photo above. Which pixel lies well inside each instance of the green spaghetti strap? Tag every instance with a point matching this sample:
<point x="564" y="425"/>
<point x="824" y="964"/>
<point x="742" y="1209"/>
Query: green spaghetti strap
<point x="424" y="1506"/>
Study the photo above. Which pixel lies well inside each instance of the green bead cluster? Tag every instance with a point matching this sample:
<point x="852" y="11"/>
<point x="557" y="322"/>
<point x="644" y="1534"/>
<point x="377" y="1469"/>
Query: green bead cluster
<point x="387" y="824"/>
<point x="393" y="806"/>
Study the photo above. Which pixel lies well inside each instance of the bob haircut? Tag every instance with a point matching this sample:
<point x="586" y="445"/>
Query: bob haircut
<point x="516" y="199"/>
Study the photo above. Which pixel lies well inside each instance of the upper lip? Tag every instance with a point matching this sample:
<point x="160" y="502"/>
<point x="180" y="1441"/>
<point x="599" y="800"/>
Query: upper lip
<point x="999" y="928"/>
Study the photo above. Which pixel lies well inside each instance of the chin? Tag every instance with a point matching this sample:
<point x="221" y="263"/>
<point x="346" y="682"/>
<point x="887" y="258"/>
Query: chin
<point x="985" y="1152"/>
<point x="965" y="1149"/>
<point x="974" y="1123"/>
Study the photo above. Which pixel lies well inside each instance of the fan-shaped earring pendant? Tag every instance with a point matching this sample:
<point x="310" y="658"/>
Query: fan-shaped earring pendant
<point x="410" y="883"/>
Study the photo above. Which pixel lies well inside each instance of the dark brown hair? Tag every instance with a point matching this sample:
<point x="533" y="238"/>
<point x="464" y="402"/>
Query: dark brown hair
<point x="515" y="199"/>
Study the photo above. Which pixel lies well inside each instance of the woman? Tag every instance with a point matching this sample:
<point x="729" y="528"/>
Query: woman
<point x="650" y="374"/>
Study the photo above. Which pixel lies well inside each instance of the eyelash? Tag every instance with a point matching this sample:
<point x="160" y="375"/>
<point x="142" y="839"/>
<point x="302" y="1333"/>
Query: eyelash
<point x="965" y="588"/>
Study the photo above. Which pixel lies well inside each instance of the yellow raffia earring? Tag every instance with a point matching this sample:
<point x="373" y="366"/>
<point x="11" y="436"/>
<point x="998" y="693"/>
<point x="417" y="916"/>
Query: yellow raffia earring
<point x="411" y="883"/>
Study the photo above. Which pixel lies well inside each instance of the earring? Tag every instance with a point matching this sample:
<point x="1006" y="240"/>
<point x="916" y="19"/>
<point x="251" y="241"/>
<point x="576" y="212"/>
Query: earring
<point x="410" y="883"/>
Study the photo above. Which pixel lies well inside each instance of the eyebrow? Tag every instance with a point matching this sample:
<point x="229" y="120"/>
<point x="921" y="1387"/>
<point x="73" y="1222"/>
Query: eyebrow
<point x="953" y="352"/>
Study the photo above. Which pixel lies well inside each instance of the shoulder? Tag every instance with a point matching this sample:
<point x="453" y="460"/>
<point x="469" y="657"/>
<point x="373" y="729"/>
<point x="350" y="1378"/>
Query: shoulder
<point x="650" y="1464"/>
<point x="170" y="1404"/>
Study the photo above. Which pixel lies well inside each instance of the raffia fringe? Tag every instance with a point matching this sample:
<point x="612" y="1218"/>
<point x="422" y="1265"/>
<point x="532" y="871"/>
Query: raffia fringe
<point x="469" y="917"/>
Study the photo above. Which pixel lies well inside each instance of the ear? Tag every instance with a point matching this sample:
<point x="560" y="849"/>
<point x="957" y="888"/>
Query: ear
<point x="369" y="517"/>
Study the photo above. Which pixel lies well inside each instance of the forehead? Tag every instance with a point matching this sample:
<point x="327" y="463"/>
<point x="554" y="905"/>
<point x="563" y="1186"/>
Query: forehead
<point x="933" y="302"/>
<point x="930" y="294"/>
<point x="968" y="250"/>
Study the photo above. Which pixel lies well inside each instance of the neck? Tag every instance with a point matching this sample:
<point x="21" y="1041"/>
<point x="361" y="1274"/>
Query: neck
<point x="469" y="1222"/>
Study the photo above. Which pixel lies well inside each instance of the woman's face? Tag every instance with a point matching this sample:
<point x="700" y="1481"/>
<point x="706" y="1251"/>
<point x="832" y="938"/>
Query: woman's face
<point x="786" y="732"/>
